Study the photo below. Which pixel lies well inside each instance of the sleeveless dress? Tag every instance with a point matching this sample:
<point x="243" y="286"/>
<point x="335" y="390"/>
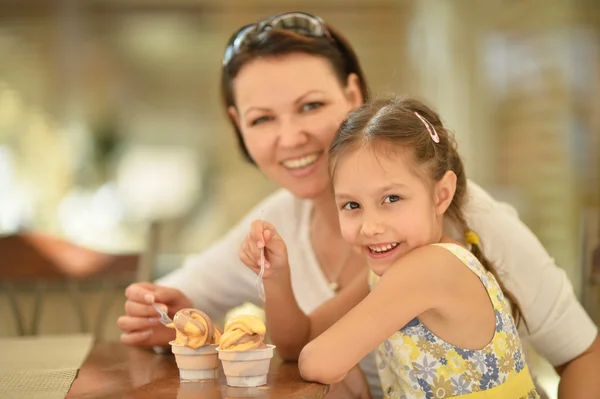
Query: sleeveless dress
<point x="415" y="363"/>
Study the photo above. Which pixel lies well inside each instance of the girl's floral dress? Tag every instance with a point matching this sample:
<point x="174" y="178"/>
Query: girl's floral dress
<point x="415" y="363"/>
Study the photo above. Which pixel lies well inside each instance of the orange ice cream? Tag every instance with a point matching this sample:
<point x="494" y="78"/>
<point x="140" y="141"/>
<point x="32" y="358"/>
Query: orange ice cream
<point x="243" y="333"/>
<point x="194" y="329"/>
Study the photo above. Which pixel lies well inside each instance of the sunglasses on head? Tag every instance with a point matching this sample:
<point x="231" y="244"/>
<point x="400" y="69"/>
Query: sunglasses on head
<point x="298" y="22"/>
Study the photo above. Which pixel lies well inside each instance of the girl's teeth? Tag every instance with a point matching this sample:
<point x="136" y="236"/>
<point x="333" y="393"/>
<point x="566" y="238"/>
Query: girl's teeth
<point x="383" y="248"/>
<point x="301" y="162"/>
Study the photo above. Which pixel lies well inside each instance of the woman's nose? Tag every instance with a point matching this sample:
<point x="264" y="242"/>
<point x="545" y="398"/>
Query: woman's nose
<point x="292" y="134"/>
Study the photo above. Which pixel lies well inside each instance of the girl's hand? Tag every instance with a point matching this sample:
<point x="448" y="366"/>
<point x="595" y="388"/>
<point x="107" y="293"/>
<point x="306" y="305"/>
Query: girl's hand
<point x="263" y="235"/>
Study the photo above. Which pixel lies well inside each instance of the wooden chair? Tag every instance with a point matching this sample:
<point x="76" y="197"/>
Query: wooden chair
<point x="36" y="260"/>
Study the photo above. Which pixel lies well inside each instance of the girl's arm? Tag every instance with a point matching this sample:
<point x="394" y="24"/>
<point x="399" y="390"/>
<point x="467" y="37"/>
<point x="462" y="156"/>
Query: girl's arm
<point x="290" y="328"/>
<point x="418" y="282"/>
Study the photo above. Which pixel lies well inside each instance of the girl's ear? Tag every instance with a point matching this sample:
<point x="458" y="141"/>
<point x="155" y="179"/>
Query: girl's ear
<point x="444" y="192"/>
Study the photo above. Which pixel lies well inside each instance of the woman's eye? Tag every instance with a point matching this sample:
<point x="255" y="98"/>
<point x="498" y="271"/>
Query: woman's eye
<point x="260" y="120"/>
<point x="351" y="206"/>
<point x="391" y="198"/>
<point x="312" y="105"/>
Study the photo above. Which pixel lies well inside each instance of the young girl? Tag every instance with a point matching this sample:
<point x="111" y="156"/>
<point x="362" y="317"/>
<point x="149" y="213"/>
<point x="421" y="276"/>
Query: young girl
<point x="437" y="313"/>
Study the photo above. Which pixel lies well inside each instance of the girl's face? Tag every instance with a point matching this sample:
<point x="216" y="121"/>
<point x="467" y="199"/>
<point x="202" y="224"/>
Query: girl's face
<point x="385" y="208"/>
<point x="288" y="110"/>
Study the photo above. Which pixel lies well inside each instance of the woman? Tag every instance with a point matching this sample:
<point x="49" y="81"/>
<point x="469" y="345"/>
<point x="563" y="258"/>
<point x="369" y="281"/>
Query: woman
<point x="288" y="82"/>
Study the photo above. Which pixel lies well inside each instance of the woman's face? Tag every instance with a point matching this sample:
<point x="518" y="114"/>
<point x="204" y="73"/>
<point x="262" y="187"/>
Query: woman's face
<point x="288" y="109"/>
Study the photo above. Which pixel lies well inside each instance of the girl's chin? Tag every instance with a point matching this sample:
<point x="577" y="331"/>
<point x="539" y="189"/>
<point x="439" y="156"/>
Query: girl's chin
<point x="378" y="269"/>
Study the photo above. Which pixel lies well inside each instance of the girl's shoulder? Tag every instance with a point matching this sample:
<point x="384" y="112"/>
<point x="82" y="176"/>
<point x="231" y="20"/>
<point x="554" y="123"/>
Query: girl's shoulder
<point x="437" y="256"/>
<point x="461" y="253"/>
<point x="435" y="267"/>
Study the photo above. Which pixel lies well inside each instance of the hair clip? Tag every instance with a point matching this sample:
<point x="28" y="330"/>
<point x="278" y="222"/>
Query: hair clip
<point x="431" y="130"/>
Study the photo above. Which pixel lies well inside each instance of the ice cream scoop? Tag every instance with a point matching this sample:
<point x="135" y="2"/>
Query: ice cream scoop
<point x="245" y="357"/>
<point x="194" y="329"/>
<point x="243" y="333"/>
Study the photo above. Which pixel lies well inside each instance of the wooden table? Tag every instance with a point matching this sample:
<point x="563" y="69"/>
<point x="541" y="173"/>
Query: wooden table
<point x="113" y="370"/>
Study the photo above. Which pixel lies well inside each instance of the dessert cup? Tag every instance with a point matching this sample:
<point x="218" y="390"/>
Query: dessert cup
<point x="196" y="364"/>
<point x="246" y="368"/>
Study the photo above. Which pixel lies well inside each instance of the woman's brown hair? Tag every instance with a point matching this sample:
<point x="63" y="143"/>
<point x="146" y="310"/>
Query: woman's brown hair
<point x="280" y="42"/>
<point x="394" y="122"/>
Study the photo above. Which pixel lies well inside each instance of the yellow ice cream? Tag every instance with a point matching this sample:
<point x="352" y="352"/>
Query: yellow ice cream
<point x="194" y="329"/>
<point x="243" y="333"/>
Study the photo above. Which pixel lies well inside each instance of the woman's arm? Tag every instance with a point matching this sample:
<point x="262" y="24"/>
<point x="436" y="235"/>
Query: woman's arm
<point x="559" y="327"/>
<point x="290" y="328"/>
<point x="213" y="281"/>
<point x="579" y="377"/>
<point x="418" y="282"/>
<point x="354" y="386"/>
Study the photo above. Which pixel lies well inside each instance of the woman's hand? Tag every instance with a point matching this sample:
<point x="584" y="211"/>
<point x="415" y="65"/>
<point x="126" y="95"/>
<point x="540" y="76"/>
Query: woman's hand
<point x="140" y="324"/>
<point x="263" y="235"/>
<point x="353" y="386"/>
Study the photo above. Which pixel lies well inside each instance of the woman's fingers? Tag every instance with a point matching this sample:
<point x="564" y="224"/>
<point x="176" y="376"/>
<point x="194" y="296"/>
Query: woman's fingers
<point x="168" y="296"/>
<point x="157" y="336"/>
<point x="140" y="292"/>
<point x="136" y="338"/>
<point x="130" y="324"/>
<point x="136" y="309"/>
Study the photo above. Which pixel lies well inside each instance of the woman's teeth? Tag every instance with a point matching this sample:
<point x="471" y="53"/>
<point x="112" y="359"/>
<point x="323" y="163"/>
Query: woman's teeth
<point x="382" y="248"/>
<point x="300" y="163"/>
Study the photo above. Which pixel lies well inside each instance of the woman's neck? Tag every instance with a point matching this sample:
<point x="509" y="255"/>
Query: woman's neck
<point x="334" y="255"/>
<point x="325" y="213"/>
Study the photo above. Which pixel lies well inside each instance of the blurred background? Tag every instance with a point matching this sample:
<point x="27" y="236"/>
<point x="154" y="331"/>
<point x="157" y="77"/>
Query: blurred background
<point x="112" y="137"/>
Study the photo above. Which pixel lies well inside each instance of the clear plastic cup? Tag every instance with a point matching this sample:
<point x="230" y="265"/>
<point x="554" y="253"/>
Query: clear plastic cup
<point x="196" y="364"/>
<point x="246" y="368"/>
<point x="261" y="392"/>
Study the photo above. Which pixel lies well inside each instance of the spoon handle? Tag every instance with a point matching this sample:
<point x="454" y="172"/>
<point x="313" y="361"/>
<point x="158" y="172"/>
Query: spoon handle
<point x="259" y="280"/>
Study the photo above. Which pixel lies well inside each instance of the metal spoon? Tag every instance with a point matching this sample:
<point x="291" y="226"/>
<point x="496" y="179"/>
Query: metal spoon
<point x="259" y="280"/>
<point x="164" y="317"/>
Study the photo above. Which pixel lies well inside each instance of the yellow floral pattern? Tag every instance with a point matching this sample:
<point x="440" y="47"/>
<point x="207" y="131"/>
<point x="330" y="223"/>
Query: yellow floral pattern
<point x="415" y="363"/>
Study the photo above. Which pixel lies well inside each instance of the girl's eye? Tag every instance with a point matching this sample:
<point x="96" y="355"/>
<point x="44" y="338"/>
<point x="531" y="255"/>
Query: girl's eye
<point x="351" y="206"/>
<point x="391" y="198"/>
<point x="312" y="105"/>
<point x="260" y="120"/>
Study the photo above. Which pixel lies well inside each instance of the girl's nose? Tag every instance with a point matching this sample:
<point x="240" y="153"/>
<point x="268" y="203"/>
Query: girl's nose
<point x="372" y="227"/>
